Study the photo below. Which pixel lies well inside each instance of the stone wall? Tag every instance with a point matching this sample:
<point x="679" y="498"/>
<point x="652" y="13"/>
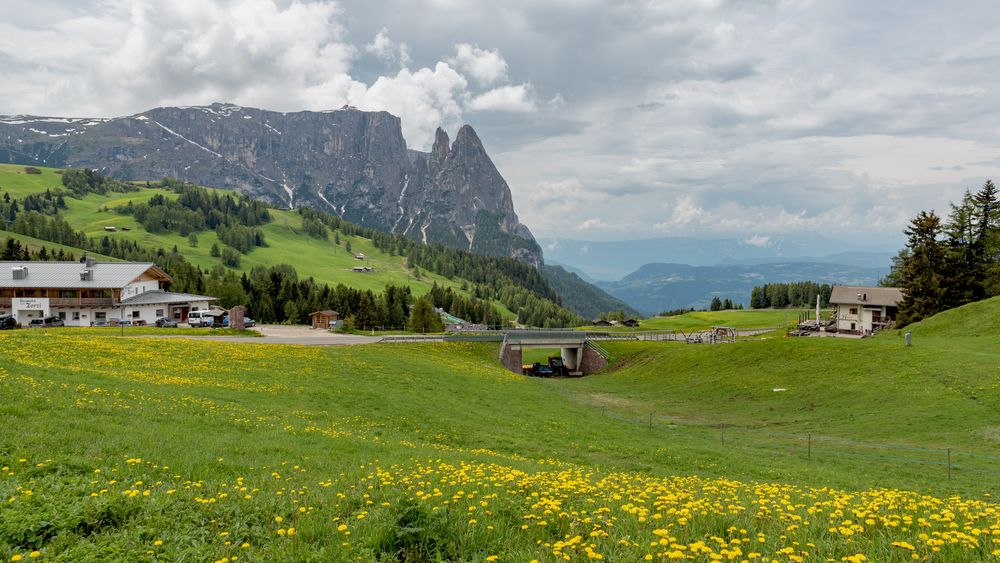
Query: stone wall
<point x="592" y="361"/>
<point x="511" y="359"/>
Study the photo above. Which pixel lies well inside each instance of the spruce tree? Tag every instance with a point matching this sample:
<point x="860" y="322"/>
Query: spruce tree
<point x="922" y="272"/>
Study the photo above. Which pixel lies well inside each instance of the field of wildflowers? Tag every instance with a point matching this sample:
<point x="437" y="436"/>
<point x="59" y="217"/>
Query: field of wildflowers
<point x="143" y="449"/>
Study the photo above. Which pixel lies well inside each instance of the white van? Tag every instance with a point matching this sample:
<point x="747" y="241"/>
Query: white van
<point x="200" y="318"/>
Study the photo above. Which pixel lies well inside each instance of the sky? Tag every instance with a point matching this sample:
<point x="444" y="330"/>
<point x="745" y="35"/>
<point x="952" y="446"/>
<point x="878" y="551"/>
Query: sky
<point x="609" y="120"/>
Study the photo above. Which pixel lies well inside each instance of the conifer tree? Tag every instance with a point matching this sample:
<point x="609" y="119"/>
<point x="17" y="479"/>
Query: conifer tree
<point x="922" y="271"/>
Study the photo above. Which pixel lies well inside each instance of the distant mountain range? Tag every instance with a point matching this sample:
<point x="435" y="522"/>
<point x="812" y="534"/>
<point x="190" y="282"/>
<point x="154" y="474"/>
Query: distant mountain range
<point x="352" y="163"/>
<point x="615" y="260"/>
<point x="658" y="287"/>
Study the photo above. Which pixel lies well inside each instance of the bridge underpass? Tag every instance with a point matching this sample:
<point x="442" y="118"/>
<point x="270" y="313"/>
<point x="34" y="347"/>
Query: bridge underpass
<point x="579" y="355"/>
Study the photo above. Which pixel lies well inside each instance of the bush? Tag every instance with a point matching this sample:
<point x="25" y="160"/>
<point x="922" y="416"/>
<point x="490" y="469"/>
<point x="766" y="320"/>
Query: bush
<point x="31" y="170"/>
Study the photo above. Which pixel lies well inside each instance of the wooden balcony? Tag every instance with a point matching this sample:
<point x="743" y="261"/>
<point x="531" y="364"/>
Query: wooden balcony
<point x="70" y="302"/>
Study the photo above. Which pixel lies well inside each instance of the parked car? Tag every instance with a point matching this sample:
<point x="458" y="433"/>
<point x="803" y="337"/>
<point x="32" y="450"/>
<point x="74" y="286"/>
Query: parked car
<point x="247" y="322"/>
<point x="164" y="322"/>
<point x="8" y="322"/>
<point x="101" y="323"/>
<point x="200" y="318"/>
<point x="47" y="322"/>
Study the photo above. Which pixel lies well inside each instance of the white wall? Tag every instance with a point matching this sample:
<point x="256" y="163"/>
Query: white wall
<point x="136" y="288"/>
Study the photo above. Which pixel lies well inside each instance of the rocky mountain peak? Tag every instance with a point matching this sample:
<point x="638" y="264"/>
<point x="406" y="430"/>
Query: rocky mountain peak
<point x="440" y="149"/>
<point x="349" y="162"/>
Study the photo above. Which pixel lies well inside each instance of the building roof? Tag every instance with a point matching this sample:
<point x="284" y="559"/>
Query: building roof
<point x="66" y="275"/>
<point x="326" y="313"/>
<point x="880" y="296"/>
<point x="158" y="297"/>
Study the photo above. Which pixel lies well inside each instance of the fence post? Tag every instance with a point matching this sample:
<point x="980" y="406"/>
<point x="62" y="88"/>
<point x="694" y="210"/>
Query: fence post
<point x="810" y="451"/>
<point x="722" y="434"/>
<point x="650" y="420"/>
<point x="603" y="408"/>
<point x="949" y="464"/>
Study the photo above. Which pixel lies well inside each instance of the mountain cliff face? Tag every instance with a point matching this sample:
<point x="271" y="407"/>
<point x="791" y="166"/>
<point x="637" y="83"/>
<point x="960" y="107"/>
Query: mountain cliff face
<point x="353" y="163"/>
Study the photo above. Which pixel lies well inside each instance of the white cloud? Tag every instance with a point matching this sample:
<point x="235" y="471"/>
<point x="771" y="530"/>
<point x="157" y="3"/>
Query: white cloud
<point x="591" y="224"/>
<point x="515" y="98"/>
<point x="387" y="50"/>
<point x="485" y="66"/>
<point x="759" y="241"/>
<point x="285" y="56"/>
<point x="424" y="99"/>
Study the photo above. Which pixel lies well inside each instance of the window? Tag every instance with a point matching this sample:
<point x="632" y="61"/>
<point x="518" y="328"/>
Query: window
<point x="62" y="315"/>
<point x="100" y="316"/>
<point x="68" y="293"/>
<point x="159" y="313"/>
<point x="854" y="310"/>
<point x="135" y="314"/>
<point x="76" y="315"/>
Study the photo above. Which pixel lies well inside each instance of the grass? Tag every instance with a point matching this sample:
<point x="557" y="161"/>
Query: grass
<point x="14" y="180"/>
<point x="975" y="319"/>
<point x="287" y="244"/>
<point x="153" y="331"/>
<point x="150" y="449"/>
<point x="702" y="320"/>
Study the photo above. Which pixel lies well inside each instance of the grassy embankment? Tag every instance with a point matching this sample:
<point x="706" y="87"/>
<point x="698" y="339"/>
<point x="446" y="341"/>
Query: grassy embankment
<point x="164" y="449"/>
<point x="287" y="244"/>
<point x="702" y="320"/>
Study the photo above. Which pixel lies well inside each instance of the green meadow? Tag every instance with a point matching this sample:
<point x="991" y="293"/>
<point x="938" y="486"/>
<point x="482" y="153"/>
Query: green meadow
<point x="153" y="449"/>
<point x="702" y="320"/>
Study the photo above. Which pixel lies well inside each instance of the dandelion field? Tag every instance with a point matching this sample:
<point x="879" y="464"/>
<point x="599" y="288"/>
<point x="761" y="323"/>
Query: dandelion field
<point x="144" y="449"/>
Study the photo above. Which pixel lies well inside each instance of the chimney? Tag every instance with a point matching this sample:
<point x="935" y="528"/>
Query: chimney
<point x="91" y="261"/>
<point x="87" y="275"/>
<point x="19" y="272"/>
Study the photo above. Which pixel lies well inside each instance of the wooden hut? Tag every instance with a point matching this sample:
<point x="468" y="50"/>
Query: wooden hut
<point x="324" y="319"/>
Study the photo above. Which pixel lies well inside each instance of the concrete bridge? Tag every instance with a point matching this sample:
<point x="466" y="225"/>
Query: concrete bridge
<point x="579" y="354"/>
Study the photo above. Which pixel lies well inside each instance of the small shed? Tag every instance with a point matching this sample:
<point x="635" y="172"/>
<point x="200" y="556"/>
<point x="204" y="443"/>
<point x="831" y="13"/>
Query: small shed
<point x="600" y="322"/>
<point x="630" y="323"/>
<point x="324" y="319"/>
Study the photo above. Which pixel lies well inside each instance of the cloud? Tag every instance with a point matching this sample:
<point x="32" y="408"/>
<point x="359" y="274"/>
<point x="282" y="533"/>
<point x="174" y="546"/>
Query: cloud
<point x="425" y="99"/>
<point x="591" y="224"/>
<point x="485" y="66"/>
<point x="701" y="118"/>
<point x="759" y="241"/>
<point x="505" y="98"/>
<point x="387" y="50"/>
<point x="285" y="56"/>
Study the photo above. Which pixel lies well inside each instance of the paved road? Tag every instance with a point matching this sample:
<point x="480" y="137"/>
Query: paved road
<point x="280" y="334"/>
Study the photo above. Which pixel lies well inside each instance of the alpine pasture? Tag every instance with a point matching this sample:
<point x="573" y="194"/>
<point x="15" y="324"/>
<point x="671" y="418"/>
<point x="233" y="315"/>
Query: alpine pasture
<point x="166" y="449"/>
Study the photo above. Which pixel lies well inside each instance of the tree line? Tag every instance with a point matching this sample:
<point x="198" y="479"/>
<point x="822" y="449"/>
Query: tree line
<point x="793" y="294"/>
<point x="12" y="249"/>
<point x="723" y="304"/>
<point x="949" y="262"/>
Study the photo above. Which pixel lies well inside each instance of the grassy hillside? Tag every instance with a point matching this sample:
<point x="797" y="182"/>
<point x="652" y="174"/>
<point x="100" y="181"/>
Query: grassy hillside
<point x="433" y="452"/>
<point x="18" y="183"/>
<point x="975" y="319"/>
<point x="701" y="320"/>
<point x="34" y="244"/>
<point x="287" y="244"/>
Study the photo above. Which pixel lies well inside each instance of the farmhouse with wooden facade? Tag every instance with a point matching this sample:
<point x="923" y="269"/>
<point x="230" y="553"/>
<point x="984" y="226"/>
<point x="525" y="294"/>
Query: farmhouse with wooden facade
<point x="88" y="292"/>
<point x="864" y="310"/>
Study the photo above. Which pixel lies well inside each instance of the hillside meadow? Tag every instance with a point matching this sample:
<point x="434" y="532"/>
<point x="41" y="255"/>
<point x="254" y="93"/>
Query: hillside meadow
<point x="165" y="449"/>
<point x="703" y="320"/>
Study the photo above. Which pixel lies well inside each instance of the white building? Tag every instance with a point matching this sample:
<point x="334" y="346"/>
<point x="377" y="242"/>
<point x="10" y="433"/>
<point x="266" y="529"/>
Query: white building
<point x="83" y="293"/>
<point x="864" y="310"/>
